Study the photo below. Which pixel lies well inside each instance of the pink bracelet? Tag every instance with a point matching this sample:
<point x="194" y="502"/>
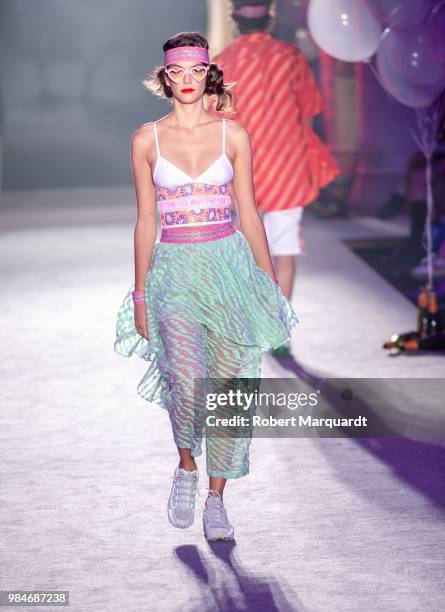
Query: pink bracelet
<point x="138" y="297"/>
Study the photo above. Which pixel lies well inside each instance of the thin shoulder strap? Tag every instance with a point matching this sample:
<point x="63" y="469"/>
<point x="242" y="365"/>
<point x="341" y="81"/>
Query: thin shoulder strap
<point x="156" y="137"/>
<point x="224" y="136"/>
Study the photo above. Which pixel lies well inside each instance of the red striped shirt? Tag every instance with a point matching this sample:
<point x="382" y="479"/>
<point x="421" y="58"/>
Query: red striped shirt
<point x="274" y="95"/>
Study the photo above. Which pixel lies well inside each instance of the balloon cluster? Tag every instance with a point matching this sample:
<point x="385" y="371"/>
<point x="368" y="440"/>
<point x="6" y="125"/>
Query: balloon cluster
<point x="407" y="38"/>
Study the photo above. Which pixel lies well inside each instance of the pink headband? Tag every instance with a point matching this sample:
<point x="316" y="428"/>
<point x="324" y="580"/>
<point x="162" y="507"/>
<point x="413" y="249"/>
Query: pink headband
<point x="185" y="54"/>
<point x="252" y="11"/>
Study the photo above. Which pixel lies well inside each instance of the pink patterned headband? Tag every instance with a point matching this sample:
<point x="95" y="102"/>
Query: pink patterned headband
<point x="251" y="12"/>
<point x="185" y="54"/>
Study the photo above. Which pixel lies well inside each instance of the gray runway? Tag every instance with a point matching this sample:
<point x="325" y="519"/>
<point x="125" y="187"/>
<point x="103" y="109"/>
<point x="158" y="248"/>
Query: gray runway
<point x="322" y="525"/>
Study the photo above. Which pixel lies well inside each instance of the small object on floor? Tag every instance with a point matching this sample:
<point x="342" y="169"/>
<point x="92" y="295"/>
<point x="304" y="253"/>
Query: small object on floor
<point x="282" y="351"/>
<point x="422" y="312"/>
<point x="435" y="323"/>
<point x="430" y="335"/>
<point x="181" y="503"/>
<point x="398" y="340"/>
<point x="433" y="343"/>
<point x="215" y="521"/>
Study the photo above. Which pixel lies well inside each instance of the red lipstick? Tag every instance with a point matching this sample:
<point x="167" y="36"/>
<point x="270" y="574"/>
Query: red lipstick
<point x="187" y="90"/>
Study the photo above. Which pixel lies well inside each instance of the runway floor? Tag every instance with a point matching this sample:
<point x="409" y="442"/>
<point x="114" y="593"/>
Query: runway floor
<point x="322" y="524"/>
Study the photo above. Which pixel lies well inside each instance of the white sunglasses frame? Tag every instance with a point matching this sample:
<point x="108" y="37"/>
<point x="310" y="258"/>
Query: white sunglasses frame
<point x="187" y="71"/>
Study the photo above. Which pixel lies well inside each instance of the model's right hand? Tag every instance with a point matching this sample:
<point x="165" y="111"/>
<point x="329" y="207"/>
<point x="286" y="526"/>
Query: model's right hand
<point x="140" y="319"/>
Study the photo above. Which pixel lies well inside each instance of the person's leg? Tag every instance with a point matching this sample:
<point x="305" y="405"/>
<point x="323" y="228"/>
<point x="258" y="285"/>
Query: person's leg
<point x="184" y="359"/>
<point x="285" y="270"/>
<point x="186" y="459"/>
<point x="228" y="449"/>
<point x="283" y="230"/>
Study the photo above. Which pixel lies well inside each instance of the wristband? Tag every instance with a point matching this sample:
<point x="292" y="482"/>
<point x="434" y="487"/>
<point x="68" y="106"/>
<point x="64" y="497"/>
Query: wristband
<point x="138" y="297"/>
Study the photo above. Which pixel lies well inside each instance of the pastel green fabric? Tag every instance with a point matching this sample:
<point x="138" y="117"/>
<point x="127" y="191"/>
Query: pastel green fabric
<point x="211" y="312"/>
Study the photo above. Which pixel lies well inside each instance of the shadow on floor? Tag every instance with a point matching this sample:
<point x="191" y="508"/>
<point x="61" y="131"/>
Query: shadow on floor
<point x="419" y="463"/>
<point x="234" y="589"/>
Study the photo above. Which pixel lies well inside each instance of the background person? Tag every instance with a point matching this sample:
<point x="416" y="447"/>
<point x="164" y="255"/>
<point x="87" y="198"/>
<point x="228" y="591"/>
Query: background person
<point x="275" y="96"/>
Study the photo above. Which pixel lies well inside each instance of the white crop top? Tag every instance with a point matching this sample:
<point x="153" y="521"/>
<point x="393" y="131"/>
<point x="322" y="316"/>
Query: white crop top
<point x="167" y="174"/>
<point x="186" y="201"/>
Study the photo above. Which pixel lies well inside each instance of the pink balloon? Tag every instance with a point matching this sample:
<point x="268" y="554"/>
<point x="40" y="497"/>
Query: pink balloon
<point x="400" y="14"/>
<point x="435" y="37"/>
<point x="409" y="56"/>
<point x="415" y="96"/>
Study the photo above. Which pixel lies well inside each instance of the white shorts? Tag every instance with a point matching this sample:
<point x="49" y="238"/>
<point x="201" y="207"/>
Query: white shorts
<point x="283" y="230"/>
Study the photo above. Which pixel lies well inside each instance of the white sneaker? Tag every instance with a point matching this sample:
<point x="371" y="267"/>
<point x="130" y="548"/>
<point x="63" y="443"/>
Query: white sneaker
<point x="181" y="503"/>
<point x="215" y="521"/>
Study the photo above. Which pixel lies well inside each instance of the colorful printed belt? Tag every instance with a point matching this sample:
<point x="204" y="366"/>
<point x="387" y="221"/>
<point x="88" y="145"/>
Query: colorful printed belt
<point x="202" y="234"/>
<point x="193" y="204"/>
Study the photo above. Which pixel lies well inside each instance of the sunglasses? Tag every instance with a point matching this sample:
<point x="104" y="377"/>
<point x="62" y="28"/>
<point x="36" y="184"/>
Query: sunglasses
<point x="176" y="74"/>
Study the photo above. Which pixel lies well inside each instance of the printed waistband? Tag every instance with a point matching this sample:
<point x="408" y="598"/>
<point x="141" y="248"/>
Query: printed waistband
<point x="191" y="234"/>
<point x="193" y="203"/>
<point x="202" y="216"/>
<point x="191" y="189"/>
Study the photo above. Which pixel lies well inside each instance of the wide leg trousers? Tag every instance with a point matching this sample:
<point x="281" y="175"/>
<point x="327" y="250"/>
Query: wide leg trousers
<point x="194" y="352"/>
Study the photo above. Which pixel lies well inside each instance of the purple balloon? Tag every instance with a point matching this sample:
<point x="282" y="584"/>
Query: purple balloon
<point x="400" y="14"/>
<point x="409" y="56"/>
<point x="415" y="96"/>
<point x="435" y="37"/>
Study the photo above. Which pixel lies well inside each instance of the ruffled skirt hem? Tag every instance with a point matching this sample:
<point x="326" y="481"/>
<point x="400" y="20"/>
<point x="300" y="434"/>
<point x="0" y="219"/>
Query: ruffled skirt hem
<point x="216" y="284"/>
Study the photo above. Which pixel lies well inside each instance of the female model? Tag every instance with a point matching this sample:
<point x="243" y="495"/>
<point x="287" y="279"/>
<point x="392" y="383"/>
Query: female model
<point x="205" y="303"/>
